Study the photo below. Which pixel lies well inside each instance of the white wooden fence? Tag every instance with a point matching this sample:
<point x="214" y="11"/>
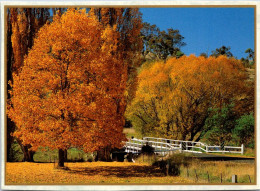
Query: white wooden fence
<point x="164" y="146"/>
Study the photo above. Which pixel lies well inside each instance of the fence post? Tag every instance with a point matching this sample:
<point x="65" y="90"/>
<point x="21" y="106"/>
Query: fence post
<point x="167" y="168"/>
<point x="207" y="149"/>
<point x="197" y="178"/>
<point x="181" y="148"/>
<point x="242" y="149"/>
<point x="234" y="178"/>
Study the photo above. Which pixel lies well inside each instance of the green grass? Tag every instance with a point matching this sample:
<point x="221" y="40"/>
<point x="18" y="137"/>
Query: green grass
<point x="48" y="155"/>
<point x="45" y="156"/>
<point x="73" y="155"/>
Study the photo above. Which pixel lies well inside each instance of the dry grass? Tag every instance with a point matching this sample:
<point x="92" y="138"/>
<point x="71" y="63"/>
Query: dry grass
<point x="129" y="132"/>
<point x="216" y="169"/>
<point x="251" y="73"/>
<point x="88" y="173"/>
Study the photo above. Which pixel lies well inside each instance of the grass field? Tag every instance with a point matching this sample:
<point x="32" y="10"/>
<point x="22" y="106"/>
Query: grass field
<point x="129" y="132"/>
<point x="219" y="171"/>
<point x="88" y="173"/>
<point x="213" y="172"/>
<point x="141" y="172"/>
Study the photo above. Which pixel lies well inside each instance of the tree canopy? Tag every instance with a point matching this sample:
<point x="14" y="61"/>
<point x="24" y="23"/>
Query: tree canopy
<point x="22" y="27"/>
<point x="71" y="89"/>
<point x="222" y="51"/>
<point x="161" y="43"/>
<point x="173" y="98"/>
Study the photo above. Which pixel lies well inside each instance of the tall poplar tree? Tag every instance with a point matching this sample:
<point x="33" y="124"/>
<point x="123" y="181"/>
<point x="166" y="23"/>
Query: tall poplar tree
<point x="22" y="27"/>
<point x="128" y="23"/>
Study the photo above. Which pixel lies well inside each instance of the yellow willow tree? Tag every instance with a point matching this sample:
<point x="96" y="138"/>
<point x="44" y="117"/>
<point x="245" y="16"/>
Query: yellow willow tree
<point x="173" y="98"/>
<point x="70" y="91"/>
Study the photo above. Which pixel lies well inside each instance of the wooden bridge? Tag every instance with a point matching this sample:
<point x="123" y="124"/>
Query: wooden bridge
<point x="167" y="146"/>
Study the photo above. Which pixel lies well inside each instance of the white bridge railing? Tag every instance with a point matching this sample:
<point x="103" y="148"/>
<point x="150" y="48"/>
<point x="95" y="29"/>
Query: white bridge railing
<point x="164" y="146"/>
<point x="135" y="146"/>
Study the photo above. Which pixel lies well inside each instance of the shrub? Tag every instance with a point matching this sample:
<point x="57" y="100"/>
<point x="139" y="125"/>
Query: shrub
<point x="148" y="159"/>
<point x="171" y="166"/>
<point x="16" y="154"/>
<point x="244" y="130"/>
<point x="147" y="149"/>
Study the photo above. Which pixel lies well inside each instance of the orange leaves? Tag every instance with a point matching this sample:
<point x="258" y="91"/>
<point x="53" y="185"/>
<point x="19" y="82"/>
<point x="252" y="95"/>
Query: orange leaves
<point x="87" y="173"/>
<point x="173" y="97"/>
<point x="70" y="91"/>
<point x="110" y="38"/>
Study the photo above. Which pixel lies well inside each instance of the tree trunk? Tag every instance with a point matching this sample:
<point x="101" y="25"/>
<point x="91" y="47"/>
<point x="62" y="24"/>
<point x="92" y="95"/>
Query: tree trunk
<point x="183" y="135"/>
<point x="104" y="154"/>
<point x="65" y="155"/>
<point x="61" y="158"/>
<point x="27" y="154"/>
<point x="198" y="138"/>
<point x="192" y="135"/>
<point x="30" y="155"/>
<point x="10" y="139"/>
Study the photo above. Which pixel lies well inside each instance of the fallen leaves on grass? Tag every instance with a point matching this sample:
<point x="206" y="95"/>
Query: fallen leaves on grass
<point x="87" y="173"/>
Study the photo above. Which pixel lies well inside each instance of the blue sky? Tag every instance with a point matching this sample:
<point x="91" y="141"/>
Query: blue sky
<point x="205" y="29"/>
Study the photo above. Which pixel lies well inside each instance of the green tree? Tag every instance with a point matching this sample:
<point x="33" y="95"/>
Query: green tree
<point x="243" y="133"/>
<point x="222" y="51"/>
<point x="251" y="54"/>
<point x="250" y="59"/>
<point x="219" y="125"/>
<point x="205" y="55"/>
<point x="245" y="62"/>
<point x="161" y="43"/>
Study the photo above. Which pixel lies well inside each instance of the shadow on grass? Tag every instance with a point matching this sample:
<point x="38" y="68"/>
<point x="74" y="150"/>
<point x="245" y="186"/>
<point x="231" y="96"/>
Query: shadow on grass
<point x="127" y="171"/>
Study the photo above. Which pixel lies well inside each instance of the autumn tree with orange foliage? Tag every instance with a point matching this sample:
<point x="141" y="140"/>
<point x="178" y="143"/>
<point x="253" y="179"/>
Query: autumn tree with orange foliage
<point x="173" y="97"/>
<point x="128" y="23"/>
<point x="22" y="26"/>
<point x="70" y="91"/>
